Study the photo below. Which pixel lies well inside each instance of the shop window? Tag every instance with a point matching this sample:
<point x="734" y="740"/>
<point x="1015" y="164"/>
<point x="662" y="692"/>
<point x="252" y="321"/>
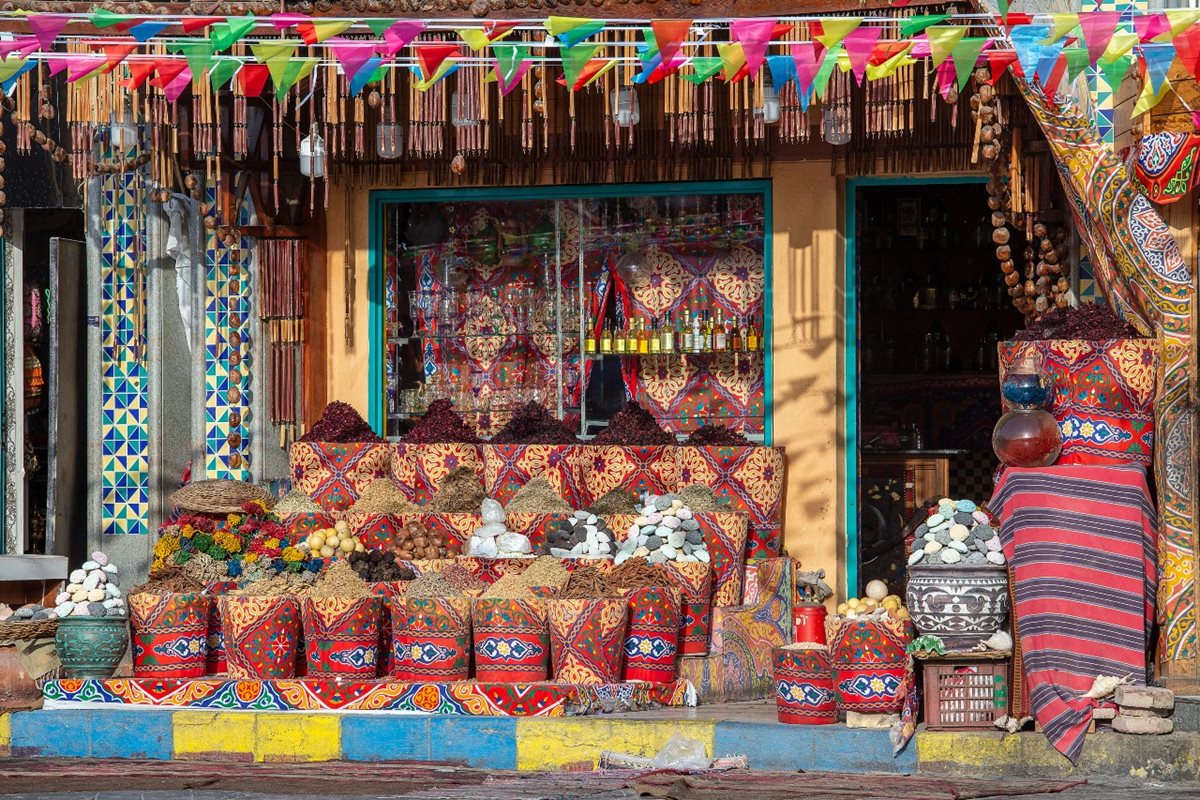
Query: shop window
<point x="578" y="303"/>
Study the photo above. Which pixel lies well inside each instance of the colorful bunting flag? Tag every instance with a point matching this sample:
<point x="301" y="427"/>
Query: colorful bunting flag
<point x="9" y="83"/>
<point x="1077" y="61"/>
<point x="80" y="67"/>
<point x="252" y="79"/>
<point x="825" y="71"/>
<point x="669" y="35"/>
<point x="1150" y="26"/>
<point x="47" y="27"/>
<point x="1120" y="44"/>
<point x="1098" y="28"/>
<point x="834" y="29"/>
<point x="511" y="64"/>
<point x="431" y="56"/>
<point x="914" y="25"/>
<point x="320" y="30"/>
<point x="276" y="56"/>
<point x="144" y="31"/>
<point x="1187" y="47"/>
<point x="783" y="69"/>
<point x="351" y="54"/>
<point x="1149" y="98"/>
<point x="103" y="18"/>
<point x="574" y="59"/>
<point x="859" y="44"/>
<point x="447" y="67"/>
<point x="193" y="25"/>
<point x="370" y="72"/>
<point x="400" y="34"/>
<point x="176" y="88"/>
<point x="999" y="61"/>
<point x="23" y="43"/>
<point x="1180" y="19"/>
<point x="1062" y="24"/>
<point x="570" y="31"/>
<point x="379" y="26"/>
<point x="1158" y="59"/>
<point x="1027" y="43"/>
<point x="942" y="41"/>
<point x="168" y="70"/>
<point x="733" y="59"/>
<point x="966" y="54"/>
<point x="806" y="63"/>
<point x="754" y="35"/>
<point x="1115" y="70"/>
<point x="114" y="54"/>
<point x="225" y="34"/>
<point x="139" y="73"/>
<point x="704" y="68"/>
<point x="222" y="73"/>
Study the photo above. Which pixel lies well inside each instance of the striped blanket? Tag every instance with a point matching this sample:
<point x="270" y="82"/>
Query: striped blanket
<point x="1081" y="542"/>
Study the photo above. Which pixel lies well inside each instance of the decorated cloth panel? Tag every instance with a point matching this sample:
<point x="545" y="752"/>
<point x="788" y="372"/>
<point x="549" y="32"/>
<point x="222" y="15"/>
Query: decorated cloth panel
<point x="1166" y="165"/>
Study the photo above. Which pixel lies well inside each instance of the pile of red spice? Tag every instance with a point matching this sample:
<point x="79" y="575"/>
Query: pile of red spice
<point x="340" y="423"/>
<point x="633" y="426"/>
<point x="440" y="424"/>
<point x="533" y="424"/>
<point x="716" y="436"/>
<point x="1091" y="322"/>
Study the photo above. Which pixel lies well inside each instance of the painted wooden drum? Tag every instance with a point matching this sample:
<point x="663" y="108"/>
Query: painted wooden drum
<point x="804" y="686"/>
<point x="512" y="640"/>
<point x="170" y="634"/>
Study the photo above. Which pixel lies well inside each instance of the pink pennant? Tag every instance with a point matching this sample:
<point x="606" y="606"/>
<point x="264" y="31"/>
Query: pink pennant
<point x="804" y="55"/>
<point x="56" y="65"/>
<point x="397" y="37"/>
<point x="20" y="43"/>
<point x="351" y="54"/>
<point x="1150" y="26"/>
<point x="285" y="21"/>
<point x="1098" y="28"/>
<point x="947" y="78"/>
<point x="47" y="27"/>
<point x="506" y="87"/>
<point x="859" y="43"/>
<point x="175" y="88"/>
<point x="921" y="49"/>
<point x="80" y="67"/>
<point x="755" y="35"/>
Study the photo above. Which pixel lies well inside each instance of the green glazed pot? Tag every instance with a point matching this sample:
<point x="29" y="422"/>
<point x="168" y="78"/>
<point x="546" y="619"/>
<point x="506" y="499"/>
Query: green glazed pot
<point x="91" y="647"/>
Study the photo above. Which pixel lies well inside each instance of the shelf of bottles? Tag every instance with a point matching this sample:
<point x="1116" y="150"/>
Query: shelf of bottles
<point x="693" y="332"/>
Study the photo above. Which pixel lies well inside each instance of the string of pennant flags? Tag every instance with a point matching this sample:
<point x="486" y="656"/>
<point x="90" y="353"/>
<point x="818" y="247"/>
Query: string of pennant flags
<point x="254" y="54"/>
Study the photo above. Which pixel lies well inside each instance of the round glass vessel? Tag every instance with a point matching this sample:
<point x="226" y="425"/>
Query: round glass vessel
<point x="1027" y="435"/>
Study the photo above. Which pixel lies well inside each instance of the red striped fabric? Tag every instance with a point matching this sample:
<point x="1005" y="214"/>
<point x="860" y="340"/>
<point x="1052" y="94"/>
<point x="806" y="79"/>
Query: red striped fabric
<point x="1082" y="544"/>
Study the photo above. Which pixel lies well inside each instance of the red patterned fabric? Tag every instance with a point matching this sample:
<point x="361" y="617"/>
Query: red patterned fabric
<point x="216" y="627"/>
<point x="335" y="475"/>
<point x="170" y="634"/>
<point x="431" y="638"/>
<point x="1103" y="396"/>
<point x="804" y="687"/>
<point x="694" y="581"/>
<point x="302" y="526"/>
<point x="508" y="467"/>
<point x="261" y="636"/>
<point x="420" y="469"/>
<point x="386" y="591"/>
<point x="871" y="668"/>
<point x="725" y="535"/>
<point x="751" y="479"/>
<point x="1166" y="164"/>
<point x="636" y="469"/>
<point x="586" y="640"/>
<point x="512" y="640"/>
<point x="341" y="635"/>
<point x="652" y="638"/>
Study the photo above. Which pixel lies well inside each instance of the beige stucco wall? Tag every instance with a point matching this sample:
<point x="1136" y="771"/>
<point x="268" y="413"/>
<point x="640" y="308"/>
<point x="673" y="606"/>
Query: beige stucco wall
<point x="807" y="312"/>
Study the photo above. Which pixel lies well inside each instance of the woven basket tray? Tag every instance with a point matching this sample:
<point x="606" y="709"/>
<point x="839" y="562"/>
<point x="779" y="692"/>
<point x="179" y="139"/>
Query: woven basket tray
<point x="42" y="629"/>
<point x="219" y="496"/>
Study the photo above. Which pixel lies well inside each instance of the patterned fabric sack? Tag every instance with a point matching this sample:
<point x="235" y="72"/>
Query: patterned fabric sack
<point x="431" y="638"/>
<point x="652" y="640"/>
<point x="636" y="469"/>
<point x="261" y="636"/>
<point x="341" y="635"/>
<point x="804" y="687"/>
<point x="170" y="634"/>
<point x="725" y="534"/>
<point x="512" y="640"/>
<point x="508" y="467"/>
<point x="694" y="581"/>
<point x="1103" y="395"/>
<point x="750" y="479"/>
<point x="335" y="475"/>
<point x="870" y="665"/>
<point x="419" y="469"/>
<point x="586" y="640"/>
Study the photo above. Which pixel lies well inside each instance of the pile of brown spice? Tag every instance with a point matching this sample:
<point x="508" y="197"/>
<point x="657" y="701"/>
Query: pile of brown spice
<point x="545" y="571"/>
<point x="587" y="583"/>
<point x="441" y="423"/>
<point x="286" y="583"/>
<point x="615" y="501"/>
<point x="699" y="497"/>
<point x="383" y="496"/>
<point x="432" y="584"/>
<point x="461" y="578"/>
<point x="461" y="492"/>
<point x="636" y="573"/>
<point x="295" y="502"/>
<point x="716" y="436"/>
<point x="538" y="497"/>
<point x="169" y="580"/>
<point x="633" y="426"/>
<point x="339" y="580"/>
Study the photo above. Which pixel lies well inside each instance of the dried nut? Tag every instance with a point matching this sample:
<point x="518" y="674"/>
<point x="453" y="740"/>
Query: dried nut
<point x="1000" y="236"/>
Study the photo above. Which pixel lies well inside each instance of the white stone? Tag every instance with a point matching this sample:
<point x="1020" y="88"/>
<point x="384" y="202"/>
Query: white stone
<point x="79" y="596"/>
<point x="641" y="551"/>
<point x="559" y="552"/>
<point x="641" y="522"/>
<point x="961" y="547"/>
<point x="111" y="569"/>
<point x="932" y="547"/>
<point x="80" y="610"/>
<point x="671" y="522"/>
<point x="702" y="555"/>
<point x="513" y="543"/>
<point x="111" y="603"/>
<point x="621" y="558"/>
<point x="77" y="576"/>
<point x="668" y="551"/>
<point x="949" y="556"/>
<point x="92" y="580"/>
<point x="993" y="544"/>
<point x="62" y="597"/>
<point x="492" y="511"/>
<point x="995" y="558"/>
<point x="663" y="531"/>
<point x="88" y="566"/>
<point x="916" y="557"/>
<point x="64" y="609"/>
<point x="483" y="547"/>
<point x="100" y="558"/>
<point x="959" y="533"/>
<point x="684" y="513"/>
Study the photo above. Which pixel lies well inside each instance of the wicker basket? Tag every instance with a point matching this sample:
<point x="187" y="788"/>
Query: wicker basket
<point x="42" y="629"/>
<point x="220" y="496"/>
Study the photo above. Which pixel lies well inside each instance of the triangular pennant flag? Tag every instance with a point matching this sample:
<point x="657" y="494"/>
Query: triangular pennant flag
<point x="891" y="64"/>
<point x="199" y="55"/>
<point x="284" y="21"/>
<point x="193" y="25"/>
<point x="942" y="41"/>
<point x="11" y="46"/>
<point x="704" y="68"/>
<point x="1027" y="43"/>
<point x="783" y="69"/>
<point x="431" y="56"/>
<point x="1187" y="47"/>
<point x="318" y="30"/>
<point x="1054" y="78"/>
<point x="114" y="54"/>
<point x="570" y="31"/>
<point x="11" y="81"/>
<point x="1149" y="98"/>
<point x="1077" y="62"/>
<point x="10" y="68"/>
<point x="1158" y="59"/>
<point x="1002" y="7"/>
<point x="754" y="35"/>
<point x="276" y="56"/>
<point x="1150" y="26"/>
<point x="80" y="67"/>
<point x="945" y="79"/>
<point x="222" y="73"/>
<point x="999" y="61"/>
<point x="400" y="34"/>
<point x="474" y="38"/>
<point x="448" y="67"/>
<point x="834" y="29"/>
<point x="1047" y="63"/>
<point x="859" y="44"/>
<point x="378" y="26"/>
<point x="1062" y="24"/>
<point x="1120" y="44"/>
<point x="225" y="34"/>
<point x="176" y="87"/>
<point x="46" y="27"/>
<point x="593" y="70"/>
<point x="367" y="74"/>
<point x="669" y="34"/>
<point x="297" y="70"/>
<point x="825" y="71"/>
<point x="57" y="65"/>
<point x="574" y="59"/>
<point x="139" y="73"/>
<point x="914" y="25"/>
<point x="168" y="71"/>
<point x="144" y="31"/>
<point x="102" y="18"/>
<point x="509" y="59"/>
<point x="351" y="54"/>
<point x="252" y="79"/>
<point x="966" y="54"/>
<point x="1098" y="28"/>
<point x="1180" y="19"/>
<point x="497" y="29"/>
<point x="733" y="58"/>
<point x="1115" y="71"/>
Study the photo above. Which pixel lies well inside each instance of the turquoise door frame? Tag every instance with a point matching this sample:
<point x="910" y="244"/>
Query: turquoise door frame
<point x="380" y="199"/>
<point x="851" y="377"/>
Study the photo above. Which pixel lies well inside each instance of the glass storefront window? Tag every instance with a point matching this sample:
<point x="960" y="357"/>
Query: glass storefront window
<point x="577" y="303"/>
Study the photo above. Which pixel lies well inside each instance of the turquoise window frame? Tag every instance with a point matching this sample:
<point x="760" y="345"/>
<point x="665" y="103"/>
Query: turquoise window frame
<point x="380" y="199"/>
<point x="852" y="376"/>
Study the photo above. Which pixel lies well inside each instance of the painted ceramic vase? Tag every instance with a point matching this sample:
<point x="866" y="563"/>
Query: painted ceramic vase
<point x="91" y="647"/>
<point x="962" y="605"/>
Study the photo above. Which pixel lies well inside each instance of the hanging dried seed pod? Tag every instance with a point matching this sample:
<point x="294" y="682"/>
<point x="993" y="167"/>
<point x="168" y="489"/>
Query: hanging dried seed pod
<point x="1000" y="236"/>
<point x="1003" y="252"/>
<point x="1012" y="278"/>
<point x="994" y="202"/>
<point x="988" y="151"/>
<point x="1039" y="230"/>
<point x="210" y="223"/>
<point x="999" y="219"/>
<point x="1030" y="288"/>
<point x="1007" y="267"/>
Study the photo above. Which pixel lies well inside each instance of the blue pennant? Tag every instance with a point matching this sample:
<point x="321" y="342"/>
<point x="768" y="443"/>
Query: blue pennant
<point x="363" y="76"/>
<point x="1027" y="42"/>
<point x="148" y="30"/>
<point x="1158" y="58"/>
<point x="783" y="69"/>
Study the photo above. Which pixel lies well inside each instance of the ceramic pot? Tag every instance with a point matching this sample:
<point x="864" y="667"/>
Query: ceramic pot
<point x="960" y="605"/>
<point x="91" y="647"/>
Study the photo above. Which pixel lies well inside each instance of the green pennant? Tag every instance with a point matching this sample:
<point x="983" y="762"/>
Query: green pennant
<point x="1077" y="61"/>
<point x="297" y="70"/>
<point x="1115" y="70"/>
<point x="651" y="44"/>
<point x="277" y="56"/>
<point x="225" y="34"/>
<point x="378" y="26"/>
<point x="965" y="54"/>
<point x="222" y="73"/>
<point x="920" y="22"/>
<point x="573" y="60"/>
<point x="102" y="18"/>
<point x="825" y="72"/>
<point x="509" y="58"/>
<point x="706" y="67"/>
<point x="199" y="55"/>
<point x="379" y="74"/>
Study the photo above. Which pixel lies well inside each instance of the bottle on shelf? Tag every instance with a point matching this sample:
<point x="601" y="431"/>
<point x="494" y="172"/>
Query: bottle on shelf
<point x="589" y="336"/>
<point x="643" y="338"/>
<point x="631" y="337"/>
<point x="735" y="334"/>
<point x="618" y="340"/>
<point x="697" y="334"/>
<point x="655" y="337"/>
<point x="687" y="332"/>
<point x="666" y="336"/>
<point x="753" y="342"/>
<point x="606" y="338"/>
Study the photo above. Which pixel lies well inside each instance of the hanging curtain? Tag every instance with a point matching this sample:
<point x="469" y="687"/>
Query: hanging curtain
<point x="1144" y="276"/>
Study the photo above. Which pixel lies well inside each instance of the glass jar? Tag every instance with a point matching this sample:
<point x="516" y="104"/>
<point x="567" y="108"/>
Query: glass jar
<point x="1027" y="435"/>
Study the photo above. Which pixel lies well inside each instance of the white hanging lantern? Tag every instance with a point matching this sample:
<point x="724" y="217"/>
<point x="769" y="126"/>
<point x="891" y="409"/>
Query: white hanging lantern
<point x="836" y="124"/>
<point x="770" y="111"/>
<point x="460" y="116"/>
<point x="389" y="140"/>
<point x="122" y="133"/>
<point x="312" y="156"/>
<point x="625" y="110"/>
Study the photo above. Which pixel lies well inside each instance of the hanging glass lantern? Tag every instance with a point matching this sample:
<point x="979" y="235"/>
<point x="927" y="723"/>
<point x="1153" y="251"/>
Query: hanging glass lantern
<point x="389" y="140"/>
<point x="122" y="133"/>
<point x="770" y="111"/>
<point x="624" y="106"/>
<point x="835" y="123"/>
<point x="312" y="156"/>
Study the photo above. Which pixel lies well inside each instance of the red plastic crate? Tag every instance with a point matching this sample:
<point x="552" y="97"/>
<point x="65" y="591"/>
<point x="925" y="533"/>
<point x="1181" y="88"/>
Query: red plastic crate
<point x="965" y="694"/>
